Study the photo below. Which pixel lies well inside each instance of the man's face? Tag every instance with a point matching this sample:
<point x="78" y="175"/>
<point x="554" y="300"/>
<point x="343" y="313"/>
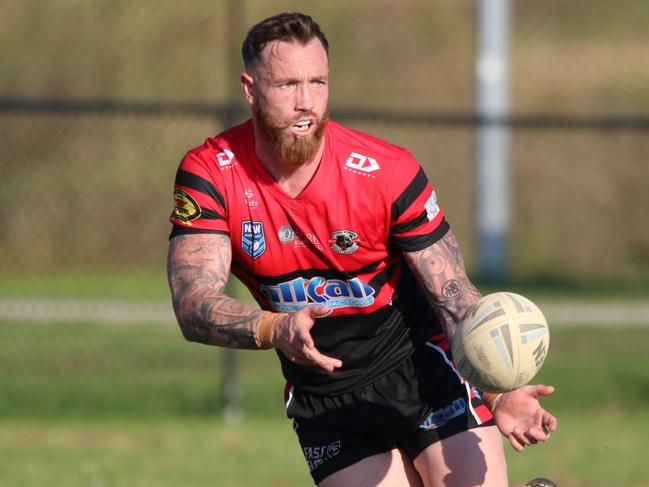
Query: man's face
<point x="289" y="99"/>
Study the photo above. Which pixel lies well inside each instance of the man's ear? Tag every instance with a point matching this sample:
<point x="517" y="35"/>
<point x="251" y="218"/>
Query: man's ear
<point x="247" y="85"/>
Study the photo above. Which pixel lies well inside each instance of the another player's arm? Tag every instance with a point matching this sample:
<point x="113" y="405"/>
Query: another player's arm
<point x="198" y="267"/>
<point x="440" y="271"/>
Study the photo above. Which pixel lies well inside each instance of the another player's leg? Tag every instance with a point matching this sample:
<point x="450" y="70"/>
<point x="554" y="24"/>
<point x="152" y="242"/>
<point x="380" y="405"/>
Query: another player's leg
<point x="385" y="469"/>
<point x="474" y="457"/>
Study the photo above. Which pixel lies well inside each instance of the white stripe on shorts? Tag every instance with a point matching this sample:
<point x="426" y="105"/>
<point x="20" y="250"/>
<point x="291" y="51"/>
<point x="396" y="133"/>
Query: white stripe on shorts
<point x="467" y="386"/>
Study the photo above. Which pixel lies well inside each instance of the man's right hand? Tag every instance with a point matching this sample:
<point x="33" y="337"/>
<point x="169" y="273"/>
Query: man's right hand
<point x="292" y="337"/>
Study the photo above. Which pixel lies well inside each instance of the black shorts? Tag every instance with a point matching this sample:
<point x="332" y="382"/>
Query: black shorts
<point x="422" y="401"/>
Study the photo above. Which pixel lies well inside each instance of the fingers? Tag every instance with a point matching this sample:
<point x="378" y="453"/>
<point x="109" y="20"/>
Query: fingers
<point x="516" y="442"/>
<point x="316" y="311"/>
<point x="323" y="361"/>
<point x="311" y="356"/>
<point x="542" y="390"/>
<point x="519" y="438"/>
<point x="549" y="423"/>
<point x="298" y="345"/>
<point x="311" y="313"/>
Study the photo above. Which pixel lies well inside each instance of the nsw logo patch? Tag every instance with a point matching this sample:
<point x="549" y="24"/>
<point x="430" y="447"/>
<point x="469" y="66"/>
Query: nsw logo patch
<point x="253" y="239"/>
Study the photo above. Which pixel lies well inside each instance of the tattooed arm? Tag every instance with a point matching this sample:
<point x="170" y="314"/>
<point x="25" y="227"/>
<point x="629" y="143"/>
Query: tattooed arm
<point x="198" y="267"/>
<point x="440" y="271"/>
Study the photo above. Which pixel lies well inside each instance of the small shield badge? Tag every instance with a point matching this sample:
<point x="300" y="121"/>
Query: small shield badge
<point x="253" y="239"/>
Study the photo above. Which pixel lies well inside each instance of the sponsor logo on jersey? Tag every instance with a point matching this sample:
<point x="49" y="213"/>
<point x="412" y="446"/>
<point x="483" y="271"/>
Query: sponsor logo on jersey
<point x="299" y="239"/>
<point x="225" y="157"/>
<point x="431" y="207"/>
<point x="250" y="198"/>
<point x="186" y="209"/>
<point x="361" y="165"/>
<point x="253" y="240"/>
<point x="335" y="293"/>
<point x="286" y="234"/>
<point x="344" y="242"/>
<point x="439" y="418"/>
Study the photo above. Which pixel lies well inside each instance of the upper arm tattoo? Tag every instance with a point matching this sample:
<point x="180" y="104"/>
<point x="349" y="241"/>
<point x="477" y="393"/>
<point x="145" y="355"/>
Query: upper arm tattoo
<point x="440" y="270"/>
<point x="198" y="267"/>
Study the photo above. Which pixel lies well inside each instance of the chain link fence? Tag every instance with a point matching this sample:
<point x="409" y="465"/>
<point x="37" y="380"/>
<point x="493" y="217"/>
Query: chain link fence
<point x="99" y="100"/>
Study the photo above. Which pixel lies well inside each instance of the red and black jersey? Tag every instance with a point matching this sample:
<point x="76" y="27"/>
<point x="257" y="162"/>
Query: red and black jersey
<point x="338" y="243"/>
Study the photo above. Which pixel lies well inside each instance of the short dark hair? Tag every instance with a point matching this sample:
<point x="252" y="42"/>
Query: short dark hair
<point x="286" y="27"/>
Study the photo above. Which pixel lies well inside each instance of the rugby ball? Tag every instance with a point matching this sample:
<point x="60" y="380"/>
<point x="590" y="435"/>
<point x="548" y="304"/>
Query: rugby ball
<point x="502" y="343"/>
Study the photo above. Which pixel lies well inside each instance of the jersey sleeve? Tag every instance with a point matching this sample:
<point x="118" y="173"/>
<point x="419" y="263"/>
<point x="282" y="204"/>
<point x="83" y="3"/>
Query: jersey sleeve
<point x="199" y="206"/>
<point x="416" y="219"/>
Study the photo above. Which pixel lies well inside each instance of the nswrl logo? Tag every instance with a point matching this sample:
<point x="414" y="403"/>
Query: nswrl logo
<point x="253" y="239"/>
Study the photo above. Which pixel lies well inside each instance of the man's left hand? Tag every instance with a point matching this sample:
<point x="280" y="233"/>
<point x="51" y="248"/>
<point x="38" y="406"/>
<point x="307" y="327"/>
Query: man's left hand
<point x="521" y="418"/>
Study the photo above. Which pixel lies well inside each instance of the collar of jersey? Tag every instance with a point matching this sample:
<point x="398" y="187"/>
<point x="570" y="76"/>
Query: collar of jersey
<point x="313" y="189"/>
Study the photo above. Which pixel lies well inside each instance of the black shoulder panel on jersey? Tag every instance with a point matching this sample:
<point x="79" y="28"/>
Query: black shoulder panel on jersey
<point x="208" y="214"/>
<point x="420" y="242"/>
<point x="410" y="225"/>
<point x="410" y="194"/>
<point x="181" y="230"/>
<point x="198" y="183"/>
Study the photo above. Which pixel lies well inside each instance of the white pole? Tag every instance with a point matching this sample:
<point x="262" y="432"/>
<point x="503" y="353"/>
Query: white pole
<point x="492" y="165"/>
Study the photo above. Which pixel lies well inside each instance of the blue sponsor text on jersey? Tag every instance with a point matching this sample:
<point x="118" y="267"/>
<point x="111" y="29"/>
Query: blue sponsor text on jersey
<point x="335" y="293"/>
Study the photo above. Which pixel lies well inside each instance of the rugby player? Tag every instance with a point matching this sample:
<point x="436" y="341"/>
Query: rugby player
<point x="340" y="238"/>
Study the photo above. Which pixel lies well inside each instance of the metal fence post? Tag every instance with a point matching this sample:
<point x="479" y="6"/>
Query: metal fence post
<point x="492" y="165"/>
<point x="231" y="388"/>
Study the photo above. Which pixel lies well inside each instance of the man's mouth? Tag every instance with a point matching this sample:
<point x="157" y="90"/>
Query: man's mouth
<point x="302" y="126"/>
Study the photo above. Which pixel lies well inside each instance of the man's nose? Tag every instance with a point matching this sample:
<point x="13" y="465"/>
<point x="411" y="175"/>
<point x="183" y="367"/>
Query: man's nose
<point x="304" y="99"/>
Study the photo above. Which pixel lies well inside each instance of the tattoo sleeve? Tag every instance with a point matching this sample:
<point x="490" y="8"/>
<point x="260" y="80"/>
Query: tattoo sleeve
<point x="198" y="267"/>
<point x="440" y="271"/>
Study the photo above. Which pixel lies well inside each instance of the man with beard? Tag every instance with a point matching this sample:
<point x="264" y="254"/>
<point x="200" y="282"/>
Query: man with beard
<point x="360" y="281"/>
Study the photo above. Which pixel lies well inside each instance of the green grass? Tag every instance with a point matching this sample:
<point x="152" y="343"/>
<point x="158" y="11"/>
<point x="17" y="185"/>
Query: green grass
<point x="593" y="450"/>
<point x="84" y="404"/>
<point x="132" y="453"/>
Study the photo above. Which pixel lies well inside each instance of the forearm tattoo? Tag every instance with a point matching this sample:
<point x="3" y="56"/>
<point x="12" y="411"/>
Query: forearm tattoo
<point x="440" y="271"/>
<point x="198" y="267"/>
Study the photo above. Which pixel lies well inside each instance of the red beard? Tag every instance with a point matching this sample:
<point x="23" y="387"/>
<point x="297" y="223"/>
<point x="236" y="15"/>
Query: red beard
<point x="292" y="150"/>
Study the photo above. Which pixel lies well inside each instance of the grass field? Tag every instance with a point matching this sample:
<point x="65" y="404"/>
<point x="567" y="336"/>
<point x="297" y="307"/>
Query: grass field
<point x="98" y="405"/>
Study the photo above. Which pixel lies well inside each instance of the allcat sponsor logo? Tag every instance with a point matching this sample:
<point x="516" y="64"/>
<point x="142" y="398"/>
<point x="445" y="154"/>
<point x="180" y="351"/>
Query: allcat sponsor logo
<point x="439" y="418"/>
<point x="335" y="293"/>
